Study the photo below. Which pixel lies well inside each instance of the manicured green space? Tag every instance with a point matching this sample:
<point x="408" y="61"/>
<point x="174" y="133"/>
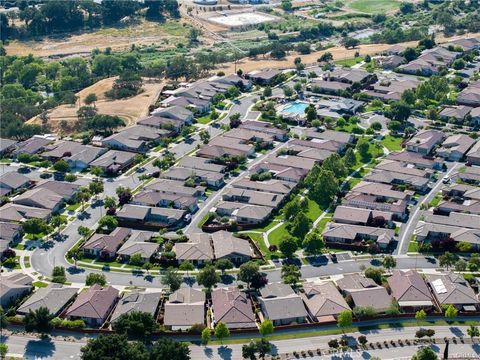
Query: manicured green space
<point x="27" y="261"/>
<point x="258" y="239"/>
<point x="392" y="143"/>
<point x="34" y="236"/>
<point x="39" y="284"/>
<point x="323" y="223"/>
<point x="276" y="235"/>
<point x="204" y="119"/>
<point x="73" y="207"/>
<point x="436" y="200"/>
<point x="314" y="210"/>
<point x="19" y="246"/>
<point x="349" y="62"/>
<point x="373" y="6"/>
<point x="413" y="246"/>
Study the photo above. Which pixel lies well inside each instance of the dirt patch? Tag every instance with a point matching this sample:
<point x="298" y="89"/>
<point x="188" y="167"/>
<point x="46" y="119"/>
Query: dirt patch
<point x="166" y="34"/>
<point x="130" y="109"/>
<point x="338" y="52"/>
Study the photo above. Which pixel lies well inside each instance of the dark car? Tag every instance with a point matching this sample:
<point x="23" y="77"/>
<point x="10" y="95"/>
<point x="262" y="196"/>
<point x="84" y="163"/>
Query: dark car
<point x="45" y="175"/>
<point x="24" y="170"/>
<point x="333" y="257"/>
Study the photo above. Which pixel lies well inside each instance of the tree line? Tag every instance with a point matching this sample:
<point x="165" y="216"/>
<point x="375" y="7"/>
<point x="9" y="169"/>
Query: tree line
<point x="58" y="16"/>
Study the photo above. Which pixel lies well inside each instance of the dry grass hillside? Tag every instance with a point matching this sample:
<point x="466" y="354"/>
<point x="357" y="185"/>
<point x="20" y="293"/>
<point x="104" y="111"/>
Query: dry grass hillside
<point x="128" y="109"/>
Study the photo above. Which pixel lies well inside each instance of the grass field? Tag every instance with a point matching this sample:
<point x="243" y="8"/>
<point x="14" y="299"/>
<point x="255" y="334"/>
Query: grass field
<point x="392" y="143"/>
<point x="374" y="6"/>
<point x="349" y="62"/>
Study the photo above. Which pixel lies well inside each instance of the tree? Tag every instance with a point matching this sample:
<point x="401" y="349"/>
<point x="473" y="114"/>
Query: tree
<point x="349" y="159"/>
<point x="288" y="246"/>
<point x="109" y="222"/>
<point x="109" y="203"/>
<point x="287" y="91"/>
<point x="389" y="262"/>
<point x="248" y="272"/>
<point x="223" y="265"/>
<point x="58" y="275"/>
<point x="313" y="242"/>
<point x="425" y="354"/>
<point x="235" y="120"/>
<point x="208" y="277"/>
<point x="193" y="35"/>
<point x="290" y="274"/>
<point x="286" y="5"/>
<point x="3" y="348"/>
<point x="420" y="315"/>
<point x="473" y="331"/>
<point x="61" y="166"/>
<point x="292" y="208"/>
<point x="344" y="319"/>
<point x="399" y="111"/>
<point x="362" y="340"/>
<point x="186" y="266"/>
<point x="363" y="148"/>
<point x="300" y="225"/>
<point x="124" y="195"/>
<point x="451" y="312"/>
<point x="204" y="136"/>
<point x="94" y="278"/>
<point x="349" y="42"/>
<point x="35" y="226"/>
<point x="263" y="347"/>
<point x="57" y="221"/>
<point x="3" y="319"/>
<point x="172" y="279"/>
<point x="266" y="327"/>
<point x="83" y="231"/>
<point x="447" y="259"/>
<point x="206" y="336"/>
<point x="325" y="188"/>
<point x="374" y="274"/>
<point x="407" y="8"/>
<point x="335" y="164"/>
<point x="90" y="99"/>
<point x="38" y="320"/>
<point x="135" y="324"/>
<point x="221" y="331"/>
<point x="83" y="195"/>
<point x="96" y="187"/>
<point x="249" y="351"/>
<point x="267" y="91"/>
<point x="113" y="347"/>
<point x="326" y="57"/>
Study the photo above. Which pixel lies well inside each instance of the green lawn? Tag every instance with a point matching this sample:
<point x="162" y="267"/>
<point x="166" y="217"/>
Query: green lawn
<point x="73" y="207"/>
<point x="258" y="239"/>
<point x="373" y="6"/>
<point x="40" y="284"/>
<point x="314" y="210"/>
<point x="349" y="62"/>
<point x="19" y="247"/>
<point x="276" y="235"/>
<point x="436" y="200"/>
<point x="392" y="143"/>
<point x="27" y="261"/>
<point x="413" y="246"/>
<point x="323" y="223"/>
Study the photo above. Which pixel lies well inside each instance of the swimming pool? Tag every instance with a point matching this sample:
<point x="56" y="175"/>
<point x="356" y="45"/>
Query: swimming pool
<point x="295" y="108"/>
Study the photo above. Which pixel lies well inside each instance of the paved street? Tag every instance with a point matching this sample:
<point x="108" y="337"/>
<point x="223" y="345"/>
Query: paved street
<point x="31" y="347"/>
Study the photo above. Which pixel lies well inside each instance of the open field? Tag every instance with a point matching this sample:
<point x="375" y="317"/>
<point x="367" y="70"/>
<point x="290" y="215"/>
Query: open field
<point x="166" y="35"/>
<point x="373" y="6"/>
<point x="128" y="109"/>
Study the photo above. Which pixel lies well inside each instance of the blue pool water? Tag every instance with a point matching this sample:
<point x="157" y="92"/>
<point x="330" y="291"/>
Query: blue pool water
<point x="296" y="107"/>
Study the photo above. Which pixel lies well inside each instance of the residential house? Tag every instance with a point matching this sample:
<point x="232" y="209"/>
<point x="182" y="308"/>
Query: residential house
<point x="41" y="198"/>
<point x="149" y="217"/>
<point x="382" y="192"/>
<point x="175" y="112"/>
<point x="430" y="62"/>
<point x="260" y="198"/>
<point x="138" y="244"/>
<point x="418" y="183"/>
<point x="425" y="141"/>
<point x="137" y="138"/>
<point x="473" y="155"/>
<point x="222" y="146"/>
<point x="137" y="302"/>
<point x="226" y="246"/>
<point x="475" y="114"/>
<point x="93" y="305"/>
<point x="197" y="250"/>
<point x="198" y="105"/>
<point x="417" y="160"/>
<point x="77" y="155"/>
<point x="106" y="246"/>
<point x="232" y="307"/>
<point x="243" y="213"/>
<point x="466" y="44"/>
<point x="332" y="135"/>
<point x="173" y="187"/>
<point x="390" y="87"/>
<point x="114" y="161"/>
<point x="31" y="146"/>
<point x="355" y="234"/>
<point x="279" y="134"/>
<point x="20" y="213"/>
<point x="452" y="289"/>
<point x="282" y="305"/>
<point x="470" y="96"/>
<point x="455" y="147"/>
<point x="457" y="114"/>
<point x="410" y="291"/>
<point x="10" y="233"/>
<point x="263" y="77"/>
<point x="364" y="292"/>
<point x="155" y="198"/>
<point x="397" y="208"/>
<point x="198" y="163"/>
<point x="210" y="178"/>
<point x="323" y="301"/>
<point x="271" y="186"/>
<point x="185" y="307"/>
<point x="14" y="287"/>
<point x="359" y="216"/>
<point x="54" y="297"/>
<point x="390" y="62"/>
<point x="6" y="146"/>
<point x="12" y="181"/>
